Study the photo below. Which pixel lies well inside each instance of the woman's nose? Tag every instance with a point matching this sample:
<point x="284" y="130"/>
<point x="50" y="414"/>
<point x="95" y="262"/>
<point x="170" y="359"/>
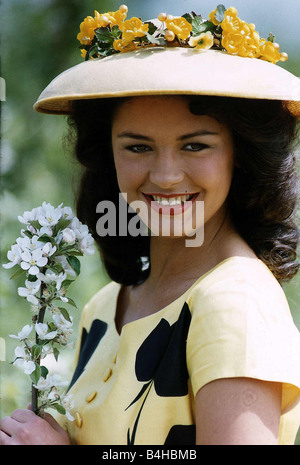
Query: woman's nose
<point x="166" y="170"/>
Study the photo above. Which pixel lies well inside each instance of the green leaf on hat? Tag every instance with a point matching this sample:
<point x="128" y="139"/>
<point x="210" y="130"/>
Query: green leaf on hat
<point x="220" y="13"/>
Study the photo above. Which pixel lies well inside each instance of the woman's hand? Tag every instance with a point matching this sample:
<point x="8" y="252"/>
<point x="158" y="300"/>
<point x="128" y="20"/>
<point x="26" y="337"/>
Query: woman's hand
<point x="24" y="427"/>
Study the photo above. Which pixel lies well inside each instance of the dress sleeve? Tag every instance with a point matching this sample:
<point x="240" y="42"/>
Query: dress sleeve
<point x="243" y="328"/>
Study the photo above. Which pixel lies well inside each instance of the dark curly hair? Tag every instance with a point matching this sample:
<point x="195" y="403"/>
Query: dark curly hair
<point x="263" y="195"/>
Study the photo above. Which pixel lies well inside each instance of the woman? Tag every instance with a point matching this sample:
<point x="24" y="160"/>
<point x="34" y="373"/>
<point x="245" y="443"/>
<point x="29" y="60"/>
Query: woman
<point x="186" y="345"/>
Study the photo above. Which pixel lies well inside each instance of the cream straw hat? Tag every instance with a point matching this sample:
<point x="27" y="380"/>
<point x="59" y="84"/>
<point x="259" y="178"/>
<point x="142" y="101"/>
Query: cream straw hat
<point x="161" y="71"/>
<point x="187" y="63"/>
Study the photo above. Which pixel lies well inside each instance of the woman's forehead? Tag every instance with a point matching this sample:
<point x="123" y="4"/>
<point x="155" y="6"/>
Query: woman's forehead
<point x="154" y="111"/>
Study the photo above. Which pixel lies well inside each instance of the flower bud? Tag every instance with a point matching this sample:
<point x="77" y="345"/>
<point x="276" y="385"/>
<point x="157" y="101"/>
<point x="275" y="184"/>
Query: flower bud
<point x="123" y="8"/>
<point x="162" y="17"/>
<point x="169" y="36"/>
<point x="284" y="56"/>
<point x="69" y="235"/>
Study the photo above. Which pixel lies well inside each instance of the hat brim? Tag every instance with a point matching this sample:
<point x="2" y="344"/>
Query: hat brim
<point x="172" y="71"/>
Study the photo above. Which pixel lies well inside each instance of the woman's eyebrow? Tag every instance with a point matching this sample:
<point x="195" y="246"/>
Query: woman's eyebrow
<point x="133" y="135"/>
<point x="198" y="133"/>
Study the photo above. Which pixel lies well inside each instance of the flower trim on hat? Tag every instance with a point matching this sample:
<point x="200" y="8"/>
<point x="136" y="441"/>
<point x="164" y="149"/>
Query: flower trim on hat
<point x="108" y="33"/>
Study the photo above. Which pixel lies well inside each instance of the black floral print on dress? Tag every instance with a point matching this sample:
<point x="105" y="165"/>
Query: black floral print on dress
<point x="88" y="345"/>
<point x="161" y="362"/>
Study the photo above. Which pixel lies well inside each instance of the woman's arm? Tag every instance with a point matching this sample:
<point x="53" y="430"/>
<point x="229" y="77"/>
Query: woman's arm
<point x="238" y="411"/>
<point x="23" y="427"/>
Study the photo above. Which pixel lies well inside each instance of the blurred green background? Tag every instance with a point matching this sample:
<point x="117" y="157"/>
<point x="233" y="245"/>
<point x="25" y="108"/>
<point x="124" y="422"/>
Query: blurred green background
<point x="38" y="41"/>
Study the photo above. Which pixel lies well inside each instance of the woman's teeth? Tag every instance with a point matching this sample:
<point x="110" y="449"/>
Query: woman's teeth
<point x="172" y="200"/>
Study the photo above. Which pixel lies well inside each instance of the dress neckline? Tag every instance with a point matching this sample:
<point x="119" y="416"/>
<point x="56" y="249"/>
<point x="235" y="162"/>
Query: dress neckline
<point x="159" y="312"/>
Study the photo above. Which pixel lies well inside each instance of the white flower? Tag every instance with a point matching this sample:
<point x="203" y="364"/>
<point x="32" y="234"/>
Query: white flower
<point x="27" y="366"/>
<point x="80" y="230"/>
<point x="66" y="213"/>
<point x="29" y="215"/>
<point x="87" y="245"/>
<point x="50" y="277"/>
<point x="32" y="287"/>
<point x="48" y="215"/>
<point x="45" y="230"/>
<point x="49" y="249"/>
<point x="29" y="244"/>
<point x="22" y="361"/>
<point x="61" y="323"/>
<point x="14" y="255"/>
<point x="23" y="334"/>
<point x="42" y="331"/>
<point x="69" y="235"/>
<point x="68" y="404"/>
<point x="61" y="295"/>
<point x="31" y="261"/>
<point x="50" y="381"/>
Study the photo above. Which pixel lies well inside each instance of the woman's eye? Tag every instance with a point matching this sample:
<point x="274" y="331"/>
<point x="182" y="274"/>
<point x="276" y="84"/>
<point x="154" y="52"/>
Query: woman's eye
<point x="195" y="147"/>
<point x="139" y="148"/>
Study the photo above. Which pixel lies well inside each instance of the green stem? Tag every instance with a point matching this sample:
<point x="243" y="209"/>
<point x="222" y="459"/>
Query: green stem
<point x="40" y="319"/>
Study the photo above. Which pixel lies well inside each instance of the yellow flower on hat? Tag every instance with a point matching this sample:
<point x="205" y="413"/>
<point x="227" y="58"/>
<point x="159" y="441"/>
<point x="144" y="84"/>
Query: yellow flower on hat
<point x="269" y="52"/>
<point x="239" y="37"/>
<point x="180" y="26"/>
<point x="86" y="33"/>
<point x="212" y="17"/>
<point x="88" y="26"/>
<point x="121" y="45"/>
<point x="203" y="41"/>
<point x="117" y="18"/>
<point x="133" y="28"/>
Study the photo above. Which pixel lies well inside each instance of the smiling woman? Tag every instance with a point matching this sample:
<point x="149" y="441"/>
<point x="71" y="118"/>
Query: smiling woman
<point x="166" y="152"/>
<point x="186" y="345"/>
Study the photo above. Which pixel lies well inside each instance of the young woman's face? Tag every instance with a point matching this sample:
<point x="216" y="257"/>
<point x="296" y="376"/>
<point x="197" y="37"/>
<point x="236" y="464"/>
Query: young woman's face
<point x="169" y="160"/>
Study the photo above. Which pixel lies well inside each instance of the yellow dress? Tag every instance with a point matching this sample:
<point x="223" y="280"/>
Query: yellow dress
<point x="138" y="387"/>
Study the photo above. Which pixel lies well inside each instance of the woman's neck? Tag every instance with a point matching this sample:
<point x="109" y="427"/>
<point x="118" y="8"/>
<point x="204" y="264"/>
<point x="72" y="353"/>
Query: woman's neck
<point x="171" y="256"/>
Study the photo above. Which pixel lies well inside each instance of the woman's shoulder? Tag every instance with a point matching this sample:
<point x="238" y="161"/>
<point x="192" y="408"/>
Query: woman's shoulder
<point x="102" y="304"/>
<point x="241" y="282"/>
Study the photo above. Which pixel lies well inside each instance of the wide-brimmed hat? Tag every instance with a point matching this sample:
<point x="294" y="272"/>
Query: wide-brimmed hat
<point x="173" y="71"/>
<point x="223" y="56"/>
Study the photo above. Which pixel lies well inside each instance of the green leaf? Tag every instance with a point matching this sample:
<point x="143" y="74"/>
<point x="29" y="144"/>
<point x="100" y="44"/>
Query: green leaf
<point x="63" y="223"/>
<point x="44" y="371"/>
<point x="74" y="263"/>
<point x="115" y="32"/>
<point x="220" y="13"/>
<point x="55" y="353"/>
<point x="18" y="273"/>
<point x="155" y="40"/>
<point x="32" y="278"/>
<point x="59" y="408"/>
<point x="46" y="238"/>
<point x="28" y="234"/>
<point x="71" y="302"/>
<point x="189" y="17"/>
<point x="197" y="23"/>
<point x="91" y="51"/>
<point x="57" y="267"/>
<point x="152" y="28"/>
<point x="203" y="27"/>
<point x="67" y="282"/>
<point x="36" y="351"/>
<point x="36" y="374"/>
<point x="35" y="224"/>
<point x="104" y="34"/>
<point x="65" y="313"/>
